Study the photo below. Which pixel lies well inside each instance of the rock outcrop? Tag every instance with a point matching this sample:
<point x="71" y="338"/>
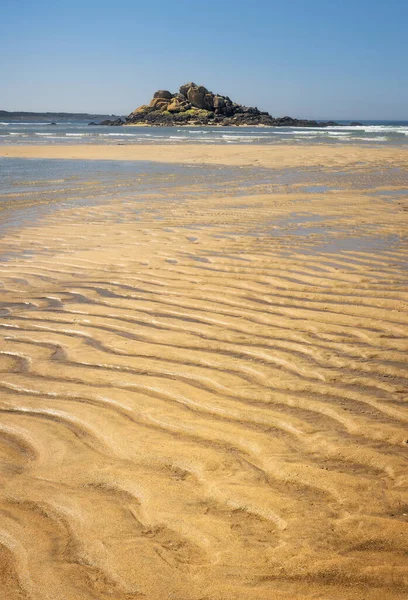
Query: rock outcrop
<point x="111" y="122"/>
<point x="195" y="105"/>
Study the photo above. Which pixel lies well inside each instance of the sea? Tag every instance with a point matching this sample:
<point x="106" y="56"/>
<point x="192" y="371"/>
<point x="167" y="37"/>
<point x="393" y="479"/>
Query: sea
<point x="78" y="131"/>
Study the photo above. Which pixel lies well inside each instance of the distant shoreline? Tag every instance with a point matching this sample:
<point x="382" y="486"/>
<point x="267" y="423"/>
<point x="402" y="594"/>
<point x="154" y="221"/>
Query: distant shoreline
<point x="54" y="115"/>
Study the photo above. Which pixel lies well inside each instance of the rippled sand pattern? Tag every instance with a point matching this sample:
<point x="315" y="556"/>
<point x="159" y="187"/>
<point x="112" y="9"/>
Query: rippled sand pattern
<point x="206" y="401"/>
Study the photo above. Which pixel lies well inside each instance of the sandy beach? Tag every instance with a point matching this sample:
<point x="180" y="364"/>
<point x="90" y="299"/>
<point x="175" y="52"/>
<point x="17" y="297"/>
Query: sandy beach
<point x="288" y="156"/>
<point x="204" y="395"/>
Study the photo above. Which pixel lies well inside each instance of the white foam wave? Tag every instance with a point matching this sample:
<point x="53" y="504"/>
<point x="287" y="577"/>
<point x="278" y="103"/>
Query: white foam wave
<point x="311" y="132"/>
<point x="196" y="131"/>
<point x="241" y="137"/>
<point x="371" y="128"/>
<point x="367" y="139"/>
<point x="240" y="141"/>
<point x="296" y="128"/>
<point x="27" y="124"/>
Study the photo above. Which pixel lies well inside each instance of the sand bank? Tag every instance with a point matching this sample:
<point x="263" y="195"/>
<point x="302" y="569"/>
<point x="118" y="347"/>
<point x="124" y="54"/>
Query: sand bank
<point x="322" y="156"/>
<point x="206" y="397"/>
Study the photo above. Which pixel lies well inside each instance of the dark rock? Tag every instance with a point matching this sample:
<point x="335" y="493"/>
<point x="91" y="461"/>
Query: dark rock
<point x="115" y="123"/>
<point x="200" y="97"/>
<point x="355" y="124"/>
<point x="218" y="102"/>
<point x="328" y="124"/>
<point x="227" y="111"/>
<point x="92" y="123"/>
<point x="209" y="101"/>
<point x="53" y="123"/>
<point x="163" y="94"/>
<point x="184" y="88"/>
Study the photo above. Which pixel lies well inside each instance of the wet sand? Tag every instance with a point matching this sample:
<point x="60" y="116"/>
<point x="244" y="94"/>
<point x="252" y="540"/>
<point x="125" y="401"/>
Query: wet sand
<point x="322" y="156"/>
<point x="206" y="398"/>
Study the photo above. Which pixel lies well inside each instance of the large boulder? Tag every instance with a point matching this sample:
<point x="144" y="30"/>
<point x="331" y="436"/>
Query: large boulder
<point x="218" y="102"/>
<point x="209" y="100"/>
<point x="163" y="94"/>
<point x="227" y="111"/>
<point x="200" y="97"/>
<point x="177" y="105"/>
<point x="160" y="103"/>
<point x="141" y="109"/>
<point x="184" y="88"/>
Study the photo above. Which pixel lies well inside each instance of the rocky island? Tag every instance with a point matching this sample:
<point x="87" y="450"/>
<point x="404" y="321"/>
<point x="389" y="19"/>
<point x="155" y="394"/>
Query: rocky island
<point x="195" y="105"/>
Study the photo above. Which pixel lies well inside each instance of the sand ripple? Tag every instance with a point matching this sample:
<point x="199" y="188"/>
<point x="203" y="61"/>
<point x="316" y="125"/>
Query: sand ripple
<point x="195" y="408"/>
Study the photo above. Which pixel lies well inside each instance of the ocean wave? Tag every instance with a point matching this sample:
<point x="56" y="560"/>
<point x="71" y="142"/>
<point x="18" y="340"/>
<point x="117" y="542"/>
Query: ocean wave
<point x="198" y="131"/>
<point x="28" y="124"/>
<point x="371" y="128"/>
<point x="311" y="132"/>
<point x="247" y="141"/>
<point x="383" y="129"/>
<point x="306" y="129"/>
<point x="240" y="137"/>
<point x="366" y="139"/>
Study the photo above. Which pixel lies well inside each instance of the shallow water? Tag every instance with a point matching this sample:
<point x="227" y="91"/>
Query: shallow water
<point x="31" y="187"/>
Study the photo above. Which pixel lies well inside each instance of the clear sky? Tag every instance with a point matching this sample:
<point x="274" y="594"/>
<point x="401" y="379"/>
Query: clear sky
<point x="315" y="59"/>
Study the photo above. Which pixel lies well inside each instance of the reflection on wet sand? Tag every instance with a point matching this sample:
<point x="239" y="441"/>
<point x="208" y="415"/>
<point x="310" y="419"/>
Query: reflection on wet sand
<point x="206" y="399"/>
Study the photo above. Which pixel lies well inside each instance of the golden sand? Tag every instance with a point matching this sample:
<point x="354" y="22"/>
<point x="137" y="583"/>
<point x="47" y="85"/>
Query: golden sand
<point x="279" y="156"/>
<point x="194" y="411"/>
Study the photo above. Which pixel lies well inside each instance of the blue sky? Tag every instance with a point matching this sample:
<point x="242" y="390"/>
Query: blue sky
<point x="316" y="59"/>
